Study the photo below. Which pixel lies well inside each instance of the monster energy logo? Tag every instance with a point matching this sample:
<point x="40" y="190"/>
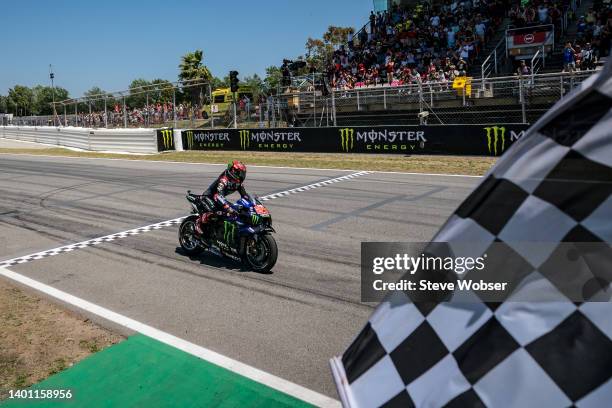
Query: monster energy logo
<point x="205" y="139"/>
<point x="189" y="135"/>
<point x="244" y="139"/>
<point x="347" y="139"/>
<point x="254" y="219"/>
<point x="229" y="230"/>
<point x="496" y="134"/>
<point x="168" y="139"/>
<point x="382" y="139"/>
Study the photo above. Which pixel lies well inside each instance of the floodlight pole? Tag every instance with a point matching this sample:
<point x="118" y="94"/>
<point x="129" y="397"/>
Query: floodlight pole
<point x="105" y="114"/>
<point x="124" y="113"/>
<point x="210" y="105"/>
<point x="52" y="76"/>
<point x="314" y="101"/>
<point x="174" y="105"/>
<point x="235" y="119"/>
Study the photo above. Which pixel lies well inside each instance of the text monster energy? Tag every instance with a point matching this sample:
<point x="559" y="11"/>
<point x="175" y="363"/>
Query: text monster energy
<point x="168" y="139"/>
<point x="272" y="140"/>
<point x="385" y="139"/>
<point x="229" y="230"/>
<point x="496" y="135"/>
<point x="207" y="139"/>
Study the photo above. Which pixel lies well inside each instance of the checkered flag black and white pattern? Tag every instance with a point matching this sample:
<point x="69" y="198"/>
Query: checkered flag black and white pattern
<point x="553" y="186"/>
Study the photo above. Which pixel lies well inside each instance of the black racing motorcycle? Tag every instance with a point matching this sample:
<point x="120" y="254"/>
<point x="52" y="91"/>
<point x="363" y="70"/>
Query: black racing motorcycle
<point x="244" y="237"/>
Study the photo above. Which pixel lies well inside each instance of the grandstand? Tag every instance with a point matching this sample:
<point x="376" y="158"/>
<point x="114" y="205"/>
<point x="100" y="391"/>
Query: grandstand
<point x="401" y="67"/>
<point x="431" y="42"/>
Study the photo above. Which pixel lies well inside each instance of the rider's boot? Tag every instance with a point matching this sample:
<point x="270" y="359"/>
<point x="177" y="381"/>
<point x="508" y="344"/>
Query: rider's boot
<point x="201" y="222"/>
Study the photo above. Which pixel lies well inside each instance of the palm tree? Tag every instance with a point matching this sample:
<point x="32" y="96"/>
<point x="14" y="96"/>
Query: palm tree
<point x="191" y="68"/>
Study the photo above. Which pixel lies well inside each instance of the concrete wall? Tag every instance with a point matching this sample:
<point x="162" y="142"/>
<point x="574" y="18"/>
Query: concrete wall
<point x="114" y="140"/>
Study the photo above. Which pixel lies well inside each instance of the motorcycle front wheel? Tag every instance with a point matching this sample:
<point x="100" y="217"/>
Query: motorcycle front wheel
<point x="188" y="236"/>
<point x="261" y="254"/>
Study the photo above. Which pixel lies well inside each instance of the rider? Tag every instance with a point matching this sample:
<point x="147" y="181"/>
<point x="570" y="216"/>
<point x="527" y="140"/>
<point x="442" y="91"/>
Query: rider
<point x="229" y="181"/>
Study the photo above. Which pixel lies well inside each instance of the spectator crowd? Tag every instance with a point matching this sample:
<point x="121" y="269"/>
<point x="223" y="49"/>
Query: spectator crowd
<point x="538" y="12"/>
<point x="593" y="33"/>
<point x="417" y="44"/>
<point x="159" y="113"/>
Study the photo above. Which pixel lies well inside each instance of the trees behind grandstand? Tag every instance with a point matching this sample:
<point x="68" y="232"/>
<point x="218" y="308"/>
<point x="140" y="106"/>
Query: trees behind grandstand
<point x="43" y="98"/>
<point x="95" y="96"/>
<point x="143" y="92"/>
<point x="320" y="51"/>
<point x="274" y="77"/>
<point x="191" y="68"/>
<point x="37" y="100"/>
<point x="23" y="100"/>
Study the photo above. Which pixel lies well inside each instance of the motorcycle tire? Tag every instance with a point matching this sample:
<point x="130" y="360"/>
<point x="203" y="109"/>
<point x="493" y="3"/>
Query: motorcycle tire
<point x="187" y="236"/>
<point x="261" y="255"/>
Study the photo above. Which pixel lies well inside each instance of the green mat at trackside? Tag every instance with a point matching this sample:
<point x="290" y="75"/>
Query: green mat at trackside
<point x="143" y="372"/>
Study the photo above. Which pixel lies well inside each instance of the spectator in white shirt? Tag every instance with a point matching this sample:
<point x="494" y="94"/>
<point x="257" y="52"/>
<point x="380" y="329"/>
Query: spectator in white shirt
<point x="543" y="13"/>
<point x="464" y="51"/>
<point x="480" y="29"/>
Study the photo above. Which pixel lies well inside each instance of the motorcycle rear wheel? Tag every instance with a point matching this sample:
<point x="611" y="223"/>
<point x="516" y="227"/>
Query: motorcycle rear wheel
<point x="261" y="255"/>
<point x="188" y="237"/>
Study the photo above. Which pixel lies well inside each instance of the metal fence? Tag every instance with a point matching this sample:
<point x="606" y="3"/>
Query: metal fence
<point x="155" y="105"/>
<point x="493" y="100"/>
<point x="484" y="101"/>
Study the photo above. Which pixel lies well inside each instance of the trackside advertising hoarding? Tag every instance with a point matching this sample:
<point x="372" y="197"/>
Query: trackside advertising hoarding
<point x="481" y="140"/>
<point x="165" y="140"/>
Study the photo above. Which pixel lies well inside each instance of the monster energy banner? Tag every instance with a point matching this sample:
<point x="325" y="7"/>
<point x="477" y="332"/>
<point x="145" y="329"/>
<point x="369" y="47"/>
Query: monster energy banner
<point x="483" y="140"/>
<point x="165" y="140"/>
<point x="207" y="139"/>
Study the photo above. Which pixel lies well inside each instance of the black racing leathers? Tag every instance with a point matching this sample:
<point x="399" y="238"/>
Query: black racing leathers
<point x="222" y="187"/>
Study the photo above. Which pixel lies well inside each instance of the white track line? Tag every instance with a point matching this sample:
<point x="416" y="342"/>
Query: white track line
<point x="237" y="367"/>
<point x="250" y="165"/>
<point x="159" y="225"/>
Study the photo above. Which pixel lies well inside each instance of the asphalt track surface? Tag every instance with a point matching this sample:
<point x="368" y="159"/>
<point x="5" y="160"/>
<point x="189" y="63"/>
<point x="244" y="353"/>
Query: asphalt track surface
<point x="289" y="322"/>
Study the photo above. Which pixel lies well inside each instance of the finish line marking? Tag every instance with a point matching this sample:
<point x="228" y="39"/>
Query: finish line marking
<point x="157" y="226"/>
<point x="213" y="357"/>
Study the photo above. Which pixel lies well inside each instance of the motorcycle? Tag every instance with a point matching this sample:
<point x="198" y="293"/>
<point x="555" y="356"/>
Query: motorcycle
<point x="244" y="237"/>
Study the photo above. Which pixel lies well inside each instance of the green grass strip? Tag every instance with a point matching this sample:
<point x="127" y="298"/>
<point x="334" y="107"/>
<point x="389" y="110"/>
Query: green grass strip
<point x="470" y="165"/>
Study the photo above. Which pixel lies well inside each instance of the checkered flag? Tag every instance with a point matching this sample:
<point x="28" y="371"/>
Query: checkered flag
<point x="552" y="187"/>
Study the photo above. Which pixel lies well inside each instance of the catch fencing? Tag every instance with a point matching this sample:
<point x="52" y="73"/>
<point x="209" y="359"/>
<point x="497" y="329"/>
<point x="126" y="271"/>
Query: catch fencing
<point x="111" y="140"/>
<point x="514" y="99"/>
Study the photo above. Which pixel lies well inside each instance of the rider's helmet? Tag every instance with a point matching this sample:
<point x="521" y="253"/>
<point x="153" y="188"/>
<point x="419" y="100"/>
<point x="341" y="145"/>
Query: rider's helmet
<point x="236" y="171"/>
